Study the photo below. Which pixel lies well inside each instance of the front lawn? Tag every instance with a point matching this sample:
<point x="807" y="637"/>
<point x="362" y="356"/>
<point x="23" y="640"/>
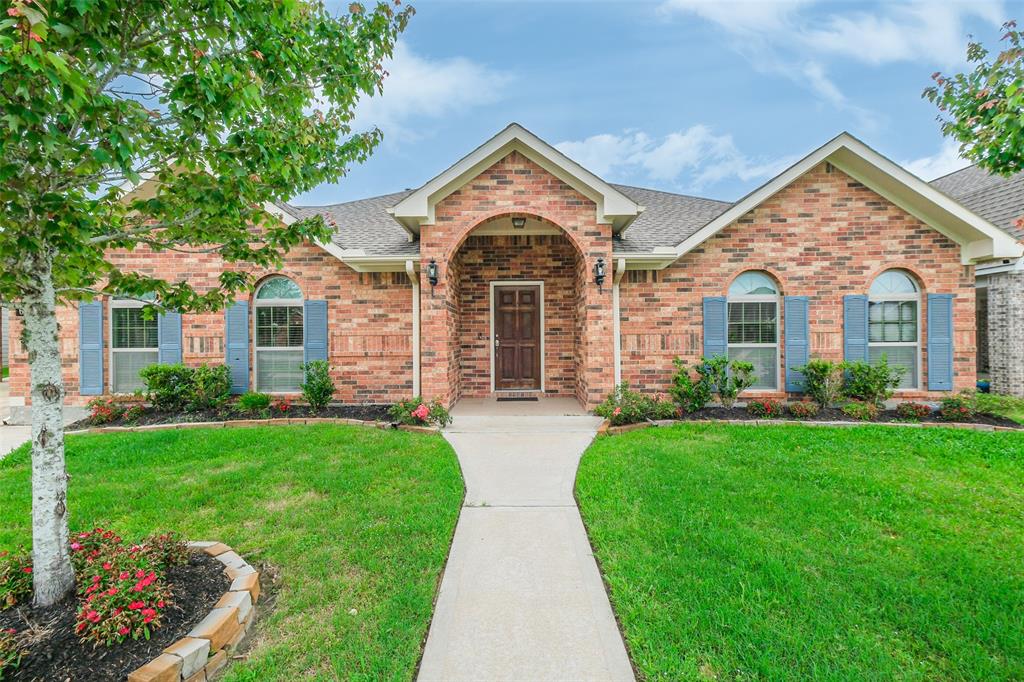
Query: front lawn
<point x="357" y="522"/>
<point x="787" y="552"/>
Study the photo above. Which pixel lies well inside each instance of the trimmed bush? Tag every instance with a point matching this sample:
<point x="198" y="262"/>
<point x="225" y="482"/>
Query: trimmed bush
<point x="861" y="410"/>
<point x="804" y="409"/>
<point x="871" y="383"/>
<point x="962" y="407"/>
<point x="690" y="393"/>
<point x="252" y="401"/>
<point x="729" y="379"/>
<point x="169" y="387"/>
<point x="625" y="406"/>
<point x="913" y="411"/>
<point x="823" y="381"/>
<point x="416" y="412"/>
<point x="317" y="389"/>
<point x="211" y="387"/>
<point x="765" y="408"/>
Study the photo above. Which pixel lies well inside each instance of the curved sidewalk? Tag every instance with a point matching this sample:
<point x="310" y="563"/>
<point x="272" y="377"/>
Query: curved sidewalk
<point x="521" y="597"/>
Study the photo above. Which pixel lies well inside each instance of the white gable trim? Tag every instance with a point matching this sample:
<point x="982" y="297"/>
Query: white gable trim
<point x="979" y="239"/>
<point x="613" y="206"/>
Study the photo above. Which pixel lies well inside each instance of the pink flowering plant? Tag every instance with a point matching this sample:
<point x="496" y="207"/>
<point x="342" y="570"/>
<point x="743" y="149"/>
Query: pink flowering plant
<point x="15" y="578"/>
<point x="10" y="650"/>
<point x="120" y="603"/>
<point x="626" y="406"/>
<point x="417" y="412"/>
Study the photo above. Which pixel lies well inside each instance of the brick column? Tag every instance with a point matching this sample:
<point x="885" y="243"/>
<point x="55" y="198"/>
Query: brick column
<point x="1006" y="332"/>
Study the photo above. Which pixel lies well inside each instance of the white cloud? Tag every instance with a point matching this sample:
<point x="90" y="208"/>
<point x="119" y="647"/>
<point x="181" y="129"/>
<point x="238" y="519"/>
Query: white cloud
<point x="695" y="157"/>
<point x="945" y="161"/>
<point x="419" y="89"/>
<point x="750" y="16"/>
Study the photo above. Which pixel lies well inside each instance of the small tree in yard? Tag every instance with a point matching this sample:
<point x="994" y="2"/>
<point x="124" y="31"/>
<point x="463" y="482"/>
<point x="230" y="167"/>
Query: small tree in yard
<point x="983" y="109"/>
<point x="224" y="104"/>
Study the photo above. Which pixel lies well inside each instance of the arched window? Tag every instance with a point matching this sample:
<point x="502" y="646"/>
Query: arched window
<point x="754" y="326"/>
<point x="279" y="336"/>
<point x="894" y="323"/>
<point x="134" y="344"/>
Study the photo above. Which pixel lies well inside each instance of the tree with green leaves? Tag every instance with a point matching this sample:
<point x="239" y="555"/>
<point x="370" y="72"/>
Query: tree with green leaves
<point x="983" y="109"/>
<point x="223" y="106"/>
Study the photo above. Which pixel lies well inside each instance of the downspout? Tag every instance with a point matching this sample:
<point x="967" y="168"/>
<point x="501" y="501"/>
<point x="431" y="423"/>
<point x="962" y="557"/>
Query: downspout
<point x="619" y="271"/>
<point x="414" y="279"/>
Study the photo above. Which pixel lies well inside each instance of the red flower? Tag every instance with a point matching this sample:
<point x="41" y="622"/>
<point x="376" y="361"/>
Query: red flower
<point x="123" y="631"/>
<point x="124" y="575"/>
<point x="27" y="569"/>
<point x="107" y="566"/>
<point x="75" y="546"/>
<point x="112" y="591"/>
<point x="160" y="604"/>
<point x="136" y="605"/>
<point x="34" y="36"/>
<point x="92" y="616"/>
<point x="139" y="573"/>
<point x="13" y="12"/>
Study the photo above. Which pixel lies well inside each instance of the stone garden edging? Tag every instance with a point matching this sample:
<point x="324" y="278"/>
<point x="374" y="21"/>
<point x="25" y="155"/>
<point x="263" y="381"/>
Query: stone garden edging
<point x="247" y="423"/>
<point x="608" y="429"/>
<point x="204" y="651"/>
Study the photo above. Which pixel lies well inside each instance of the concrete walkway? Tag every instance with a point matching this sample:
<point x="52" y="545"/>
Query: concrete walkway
<point x="521" y="597"/>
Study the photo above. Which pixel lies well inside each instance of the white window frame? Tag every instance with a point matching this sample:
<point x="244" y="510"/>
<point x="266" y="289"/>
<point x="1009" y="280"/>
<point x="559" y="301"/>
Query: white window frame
<point x="763" y="298"/>
<point x="113" y="303"/>
<point x="899" y="298"/>
<point x="272" y="303"/>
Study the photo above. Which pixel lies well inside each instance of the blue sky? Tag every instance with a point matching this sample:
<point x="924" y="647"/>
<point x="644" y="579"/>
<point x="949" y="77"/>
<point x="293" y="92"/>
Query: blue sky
<point x="692" y="96"/>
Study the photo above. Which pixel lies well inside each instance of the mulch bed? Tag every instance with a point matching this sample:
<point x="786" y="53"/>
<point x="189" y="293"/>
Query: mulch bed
<point x="55" y="653"/>
<point x="836" y="415"/>
<point x="151" y="416"/>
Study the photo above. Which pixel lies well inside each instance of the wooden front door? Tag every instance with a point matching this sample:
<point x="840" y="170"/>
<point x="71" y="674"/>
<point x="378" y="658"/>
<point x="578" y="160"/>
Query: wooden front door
<point x="516" y="337"/>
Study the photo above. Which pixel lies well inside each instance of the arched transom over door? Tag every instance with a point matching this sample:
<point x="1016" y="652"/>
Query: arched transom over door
<point x="517" y="313"/>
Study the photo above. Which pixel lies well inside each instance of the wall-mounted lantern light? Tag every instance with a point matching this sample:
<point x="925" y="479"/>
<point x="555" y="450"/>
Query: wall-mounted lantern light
<point x="432" y="272"/>
<point x="519" y="223"/>
<point x="599" y="274"/>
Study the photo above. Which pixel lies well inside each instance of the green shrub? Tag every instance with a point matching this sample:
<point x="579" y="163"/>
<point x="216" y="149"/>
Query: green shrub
<point x="1004" y="405"/>
<point x="416" y="412"/>
<point x="211" y="387"/>
<point x="104" y="410"/>
<point x="871" y="383"/>
<point x="861" y="409"/>
<point x="690" y="394"/>
<point x="317" y="389"/>
<point x="803" y="409"/>
<point x="15" y="579"/>
<point x="823" y="381"/>
<point x="252" y="401"/>
<point x="765" y="408"/>
<point x="625" y="406"/>
<point x="729" y="379"/>
<point x="962" y="407"/>
<point x="913" y="411"/>
<point x="169" y="387"/>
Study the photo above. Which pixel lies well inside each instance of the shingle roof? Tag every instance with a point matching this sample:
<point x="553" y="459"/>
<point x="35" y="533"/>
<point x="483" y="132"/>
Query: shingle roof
<point x="365" y="224"/>
<point x="667" y="218"/>
<point x="997" y="199"/>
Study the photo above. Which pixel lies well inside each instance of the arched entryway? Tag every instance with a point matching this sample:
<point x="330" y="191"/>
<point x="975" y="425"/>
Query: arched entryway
<point x="517" y="299"/>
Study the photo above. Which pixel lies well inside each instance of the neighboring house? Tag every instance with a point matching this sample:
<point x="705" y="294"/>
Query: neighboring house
<point x="1000" y="200"/>
<point x="516" y="269"/>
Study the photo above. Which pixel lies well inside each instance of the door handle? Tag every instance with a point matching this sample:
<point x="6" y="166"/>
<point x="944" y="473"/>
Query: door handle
<point x="497" y="342"/>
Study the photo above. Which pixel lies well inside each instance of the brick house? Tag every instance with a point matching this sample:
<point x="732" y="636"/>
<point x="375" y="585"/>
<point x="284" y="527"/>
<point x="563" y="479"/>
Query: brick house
<point x="516" y="269"/>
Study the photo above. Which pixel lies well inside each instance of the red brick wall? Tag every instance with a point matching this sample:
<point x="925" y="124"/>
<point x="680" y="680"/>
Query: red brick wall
<point x="825" y="236"/>
<point x="548" y="258"/>
<point x="514" y="186"/>
<point x="369" y="323"/>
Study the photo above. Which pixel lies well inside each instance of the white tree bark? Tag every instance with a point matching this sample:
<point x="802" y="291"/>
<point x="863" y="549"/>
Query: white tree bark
<point x="52" y="573"/>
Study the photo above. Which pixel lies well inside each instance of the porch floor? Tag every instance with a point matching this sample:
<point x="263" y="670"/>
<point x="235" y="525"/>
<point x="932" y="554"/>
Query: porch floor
<point x="542" y="407"/>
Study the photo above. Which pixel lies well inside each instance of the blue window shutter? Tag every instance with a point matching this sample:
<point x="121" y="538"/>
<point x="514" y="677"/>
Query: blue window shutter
<point x="314" y="320"/>
<point x="168" y="330"/>
<point x="940" y="342"/>
<point x="236" y="334"/>
<point x="715" y="336"/>
<point x="855" y="328"/>
<point x="90" y="348"/>
<point x="797" y="342"/>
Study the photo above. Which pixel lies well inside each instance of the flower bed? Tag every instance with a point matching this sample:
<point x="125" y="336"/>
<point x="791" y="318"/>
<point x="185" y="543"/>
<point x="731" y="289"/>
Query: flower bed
<point x="230" y="412"/>
<point x="134" y="597"/>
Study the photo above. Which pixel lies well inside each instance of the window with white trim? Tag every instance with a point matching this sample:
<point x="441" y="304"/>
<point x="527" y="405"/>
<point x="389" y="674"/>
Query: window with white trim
<point x="754" y="326"/>
<point x="279" y="336"/>
<point x="134" y="344"/>
<point x="894" y="304"/>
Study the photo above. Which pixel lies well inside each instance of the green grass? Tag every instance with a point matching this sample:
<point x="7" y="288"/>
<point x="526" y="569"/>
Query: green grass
<point x="812" y="553"/>
<point x="5" y="372"/>
<point x="350" y="517"/>
<point x="1005" y="405"/>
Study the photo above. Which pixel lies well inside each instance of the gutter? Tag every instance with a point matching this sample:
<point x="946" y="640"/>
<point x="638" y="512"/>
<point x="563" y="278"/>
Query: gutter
<point x="619" y="269"/>
<point x="414" y="280"/>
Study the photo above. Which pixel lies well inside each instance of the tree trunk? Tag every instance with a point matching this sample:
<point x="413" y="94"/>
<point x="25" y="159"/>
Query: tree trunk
<point x="52" y="574"/>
